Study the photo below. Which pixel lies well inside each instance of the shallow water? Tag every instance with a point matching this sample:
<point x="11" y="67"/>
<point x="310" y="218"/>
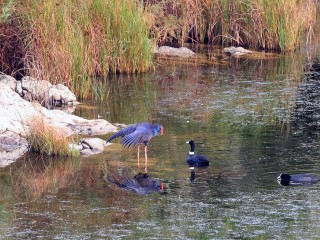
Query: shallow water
<point x="241" y="114"/>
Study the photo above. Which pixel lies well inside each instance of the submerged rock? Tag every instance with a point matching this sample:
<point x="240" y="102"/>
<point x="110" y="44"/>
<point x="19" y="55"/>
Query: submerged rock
<point x="92" y="146"/>
<point x="171" y="51"/>
<point x="236" y="51"/>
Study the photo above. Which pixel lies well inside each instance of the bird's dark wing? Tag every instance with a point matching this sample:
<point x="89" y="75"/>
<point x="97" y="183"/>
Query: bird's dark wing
<point x="123" y="132"/>
<point x="141" y="135"/>
<point x="132" y="185"/>
<point x="197" y="160"/>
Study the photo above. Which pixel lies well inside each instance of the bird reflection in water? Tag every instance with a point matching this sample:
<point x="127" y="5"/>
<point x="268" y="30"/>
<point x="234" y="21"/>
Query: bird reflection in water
<point x="193" y="174"/>
<point x="140" y="183"/>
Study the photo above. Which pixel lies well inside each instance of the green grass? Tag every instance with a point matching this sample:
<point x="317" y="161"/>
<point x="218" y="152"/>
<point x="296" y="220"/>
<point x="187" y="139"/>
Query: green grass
<point x="7" y="10"/>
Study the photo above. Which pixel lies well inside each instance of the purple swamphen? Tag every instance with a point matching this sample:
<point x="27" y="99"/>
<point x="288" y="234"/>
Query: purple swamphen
<point x="136" y="134"/>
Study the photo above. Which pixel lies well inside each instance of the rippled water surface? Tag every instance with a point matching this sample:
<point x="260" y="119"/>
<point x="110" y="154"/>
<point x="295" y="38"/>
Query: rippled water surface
<point x="242" y="114"/>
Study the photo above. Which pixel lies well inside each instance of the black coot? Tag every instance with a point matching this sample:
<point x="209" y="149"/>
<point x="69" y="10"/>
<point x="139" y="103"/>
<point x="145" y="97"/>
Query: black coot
<point x="196" y="160"/>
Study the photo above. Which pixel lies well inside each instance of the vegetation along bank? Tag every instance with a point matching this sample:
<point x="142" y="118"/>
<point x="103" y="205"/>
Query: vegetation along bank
<point x="74" y="42"/>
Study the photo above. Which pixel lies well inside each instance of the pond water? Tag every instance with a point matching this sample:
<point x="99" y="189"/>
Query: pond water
<point x="243" y="115"/>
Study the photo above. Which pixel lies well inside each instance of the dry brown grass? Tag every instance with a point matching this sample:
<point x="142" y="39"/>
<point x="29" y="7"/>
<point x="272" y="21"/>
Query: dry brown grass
<point x="274" y="24"/>
<point x="46" y="140"/>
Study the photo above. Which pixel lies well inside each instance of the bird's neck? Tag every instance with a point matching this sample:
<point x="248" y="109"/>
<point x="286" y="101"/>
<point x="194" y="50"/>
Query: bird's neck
<point x="155" y="131"/>
<point x="191" y="153"/>
<point x="192" y="145"/>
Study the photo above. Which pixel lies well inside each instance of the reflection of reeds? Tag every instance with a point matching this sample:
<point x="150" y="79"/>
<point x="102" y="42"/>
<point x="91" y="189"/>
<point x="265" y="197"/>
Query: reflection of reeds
<point x="35" y="177"/>
<point x="101" y="89"/>
<point x="129" y="107"/>
<point x="46" y="140"/>
<point x="249" y="91"/>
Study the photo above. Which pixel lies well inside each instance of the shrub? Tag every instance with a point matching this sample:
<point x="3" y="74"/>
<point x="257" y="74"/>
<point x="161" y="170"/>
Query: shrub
<point x="46" y="140"/>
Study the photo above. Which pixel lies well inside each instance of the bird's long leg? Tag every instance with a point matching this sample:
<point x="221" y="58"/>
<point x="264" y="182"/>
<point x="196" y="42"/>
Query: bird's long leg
<point x="146" y="163"/>
<point x="138" y="156"/>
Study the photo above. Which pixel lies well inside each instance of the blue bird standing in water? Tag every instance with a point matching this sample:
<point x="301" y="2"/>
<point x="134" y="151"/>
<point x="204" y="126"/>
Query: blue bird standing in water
<point x="196" y="160"/>
<point x="137" y="134"/>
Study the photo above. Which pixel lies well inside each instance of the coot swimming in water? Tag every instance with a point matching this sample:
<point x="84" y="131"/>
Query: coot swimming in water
<point x="297" y="179"/>
<point x="196" y="160"/>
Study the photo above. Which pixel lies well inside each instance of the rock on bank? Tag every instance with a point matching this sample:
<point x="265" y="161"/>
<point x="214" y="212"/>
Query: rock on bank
<point x="16" y="114"/>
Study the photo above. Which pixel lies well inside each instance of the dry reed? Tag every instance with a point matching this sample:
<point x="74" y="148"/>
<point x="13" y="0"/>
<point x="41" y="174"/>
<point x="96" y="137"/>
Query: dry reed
<point x="46" y="140"/>
<point x="272" y="24"/>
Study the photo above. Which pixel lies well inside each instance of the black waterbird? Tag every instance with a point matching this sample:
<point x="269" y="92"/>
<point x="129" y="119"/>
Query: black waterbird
<point x="196" y="160"/>
<point x="297" y="179"/>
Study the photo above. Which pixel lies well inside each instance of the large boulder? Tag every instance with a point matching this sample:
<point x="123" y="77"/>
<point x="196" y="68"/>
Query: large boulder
<point x="15" y="112"/>
<point x="10" y="81"/>
<point x="33" y="89"/>
<point x="42" y="91"/>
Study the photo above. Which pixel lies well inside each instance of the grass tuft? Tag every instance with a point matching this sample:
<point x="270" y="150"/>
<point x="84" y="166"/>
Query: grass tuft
<point x="46" y="140"/>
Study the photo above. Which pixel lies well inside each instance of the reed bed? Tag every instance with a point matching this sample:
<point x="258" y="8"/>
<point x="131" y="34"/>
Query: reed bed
<point x="75" y="41"/>
<point x="267" y="24"/>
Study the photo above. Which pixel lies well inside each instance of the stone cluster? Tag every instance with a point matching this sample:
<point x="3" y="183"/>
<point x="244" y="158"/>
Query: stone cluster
<point x="20" y="102"/>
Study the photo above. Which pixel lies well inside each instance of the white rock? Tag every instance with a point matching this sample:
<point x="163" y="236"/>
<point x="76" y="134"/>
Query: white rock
<point x="236" y="51"/>
<point x="10" y="81"/>
<point x="95" y="145"/>
<point x="170" y="51"/>
<point x="12" y="146"/>
<point x="61" y="93"/>
<point x="16" y="114"/>
<point x="37" y="88"/>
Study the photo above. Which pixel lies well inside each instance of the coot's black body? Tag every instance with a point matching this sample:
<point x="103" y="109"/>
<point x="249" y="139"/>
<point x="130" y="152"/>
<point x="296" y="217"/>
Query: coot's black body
<point x="196" y="160"/>
<point x="297" y="179"/>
